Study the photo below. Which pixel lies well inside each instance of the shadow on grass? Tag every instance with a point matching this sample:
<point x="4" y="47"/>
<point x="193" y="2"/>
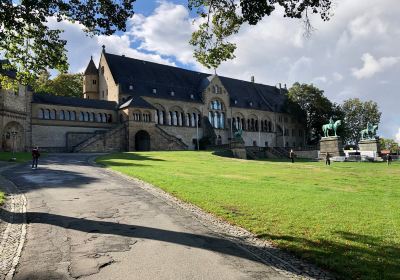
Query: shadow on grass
<point x="352" y="256"/>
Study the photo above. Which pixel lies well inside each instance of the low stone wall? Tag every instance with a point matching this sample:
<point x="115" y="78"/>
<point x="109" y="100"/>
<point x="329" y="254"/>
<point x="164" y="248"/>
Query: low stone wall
<point x="111" y="141"/>
<point x="311" y="154"/>
<point x="76" y="138"/>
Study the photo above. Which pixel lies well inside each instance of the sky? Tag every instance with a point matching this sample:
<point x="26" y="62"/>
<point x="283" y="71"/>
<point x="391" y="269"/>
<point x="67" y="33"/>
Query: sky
<point x="355" y="54"/>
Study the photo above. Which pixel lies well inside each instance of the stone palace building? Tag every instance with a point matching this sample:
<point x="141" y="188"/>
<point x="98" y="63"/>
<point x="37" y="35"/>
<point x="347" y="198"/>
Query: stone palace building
<point x="131" y="104"/>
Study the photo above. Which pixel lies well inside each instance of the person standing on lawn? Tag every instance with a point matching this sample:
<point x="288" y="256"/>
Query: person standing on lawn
<point x="327" y="159"/>
<point x="291" y="155"/>
<point x="389" y="159"/>
<point x="35" y="157"/>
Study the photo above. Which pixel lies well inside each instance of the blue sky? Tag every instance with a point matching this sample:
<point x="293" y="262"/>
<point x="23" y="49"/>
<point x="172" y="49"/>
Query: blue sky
<point x="355" y="54"/>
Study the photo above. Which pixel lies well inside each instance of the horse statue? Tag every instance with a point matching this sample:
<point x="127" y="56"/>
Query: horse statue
<point x="331" y="126"/>
<point x="369" y="132"/>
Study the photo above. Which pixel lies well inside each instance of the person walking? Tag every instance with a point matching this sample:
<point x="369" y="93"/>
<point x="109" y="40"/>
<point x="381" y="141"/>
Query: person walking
<point x="35" y="157"/>
<point x="327" y="159"/>
<point x="291" y="155"/>
<point x="389" y="159"/>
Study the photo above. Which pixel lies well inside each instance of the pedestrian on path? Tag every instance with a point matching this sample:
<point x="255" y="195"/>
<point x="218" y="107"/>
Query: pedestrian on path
<point x="328" y="159"/>
<point x="35" y="157"/>
<point x="291" y="155"/>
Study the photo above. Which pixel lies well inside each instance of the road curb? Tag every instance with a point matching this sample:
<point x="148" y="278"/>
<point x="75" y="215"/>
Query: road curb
<point x="13" y="237"/>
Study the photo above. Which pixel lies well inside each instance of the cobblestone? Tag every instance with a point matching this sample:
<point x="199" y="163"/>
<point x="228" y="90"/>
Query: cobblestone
<point x="12" y="229"/>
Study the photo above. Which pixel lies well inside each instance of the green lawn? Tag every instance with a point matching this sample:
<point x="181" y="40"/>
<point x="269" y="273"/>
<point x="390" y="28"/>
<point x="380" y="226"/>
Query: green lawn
<point x="21" y="157"/>
<point x="344" y="218"/>
<point x="1" y="197"/>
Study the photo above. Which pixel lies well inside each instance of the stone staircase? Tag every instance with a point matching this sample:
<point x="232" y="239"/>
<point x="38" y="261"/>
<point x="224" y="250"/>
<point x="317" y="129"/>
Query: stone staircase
<point x="277" y="152"/>
<point x="255" y="152"/>
<point x="173" y="143"/>
<point x="109" y="141"/>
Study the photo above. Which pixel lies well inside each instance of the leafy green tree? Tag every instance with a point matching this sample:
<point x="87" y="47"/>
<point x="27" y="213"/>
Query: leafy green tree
<point x="31" y="46"/>
<point x="389" y="144"/>
<point x="316" y="107"/>
<point x="356" y="116"/>
<point x="223" y="18"/>
<point x="62" y="85"/>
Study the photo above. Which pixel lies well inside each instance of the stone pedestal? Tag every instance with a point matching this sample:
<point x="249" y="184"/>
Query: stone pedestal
<point x="369" y="148"/>
<point x="332" y="145"/>
<point x="238" y="149"/>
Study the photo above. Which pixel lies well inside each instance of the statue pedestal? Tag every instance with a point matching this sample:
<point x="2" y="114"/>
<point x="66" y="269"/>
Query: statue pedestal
<point x="369" y="148"/>
<point x="238" y="149"/>
<point x="332" y="145"/>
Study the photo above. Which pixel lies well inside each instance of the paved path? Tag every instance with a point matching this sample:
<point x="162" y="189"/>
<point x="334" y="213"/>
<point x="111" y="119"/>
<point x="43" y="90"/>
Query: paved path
<point x="88" y="223"/>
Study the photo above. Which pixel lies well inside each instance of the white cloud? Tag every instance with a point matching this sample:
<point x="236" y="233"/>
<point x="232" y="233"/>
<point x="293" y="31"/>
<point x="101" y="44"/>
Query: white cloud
<point x="275" y="51"/>
<point x="372" y="66"/>
<point x="398" y="136"/>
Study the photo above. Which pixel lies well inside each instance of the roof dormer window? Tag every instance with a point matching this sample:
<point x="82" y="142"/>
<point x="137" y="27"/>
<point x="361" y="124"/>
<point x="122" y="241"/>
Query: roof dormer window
<point x="154" y="90"/>
<point x="172" y="93"/>
<point x="192" y="96"/>
<point x="130" y="87"/>
<point x="235" y="101"/>
<point x="251" y="104"/>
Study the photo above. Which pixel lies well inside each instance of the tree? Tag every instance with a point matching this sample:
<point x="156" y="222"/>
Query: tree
<point x="223" y="18"/>
<point x="389" y="144"/>
<point x="357" y="114"/>
<point x="316" y="108"/>
<point x="31" y="46"/>
<point x="62" y="85"/>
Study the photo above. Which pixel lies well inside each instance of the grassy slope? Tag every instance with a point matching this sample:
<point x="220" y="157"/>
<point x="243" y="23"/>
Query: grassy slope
<point x="345" y="217"/>
<point x="1" y="197"/>
<point x="21" y="157"/>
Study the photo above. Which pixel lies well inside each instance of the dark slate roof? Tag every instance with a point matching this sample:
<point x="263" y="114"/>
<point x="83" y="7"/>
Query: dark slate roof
<point x="73" y="101"/>
<point x="137" y="102"/>
<point x="91" y="69"/>
<point x="139" y="78"/>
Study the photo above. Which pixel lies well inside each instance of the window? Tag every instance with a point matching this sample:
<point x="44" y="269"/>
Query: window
<point x="109" y="118"/>
<point x="41" y="114"/>
<point x="104" y="117"/>
<point x="46" y="114"/>
<point x="67" y="115"/>
<point x="216" y="89"/>
<point x="81" y="116"/>
<point x="102" y="69"/>
<point x="191" y="96"/>
<point x="130" y="87"/>
<point x="92" y="117"/>
<point x="73" y="116"/>
<point x="62" y="115"/>
<point x="136" y="116"/>
<point x="154" y="90"/>
<point x="94" y="82"/>
<point x="53" y="114"/>
<point x="172" y="93"/>
<point x="98" y="117"/>
<point x="86" y="117"/>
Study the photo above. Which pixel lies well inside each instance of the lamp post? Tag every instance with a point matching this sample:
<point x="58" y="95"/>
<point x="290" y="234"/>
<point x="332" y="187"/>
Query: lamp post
<point x="14" y="136"/>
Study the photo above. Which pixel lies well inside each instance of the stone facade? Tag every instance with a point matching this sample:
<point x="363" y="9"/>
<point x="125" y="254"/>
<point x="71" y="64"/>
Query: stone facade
<point x="369" y="148"/>
<point x="152" y="121"/>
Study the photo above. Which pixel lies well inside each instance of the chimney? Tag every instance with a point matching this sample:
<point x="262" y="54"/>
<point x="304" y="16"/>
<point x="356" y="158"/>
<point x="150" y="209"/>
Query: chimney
<point x="252" y="79"/>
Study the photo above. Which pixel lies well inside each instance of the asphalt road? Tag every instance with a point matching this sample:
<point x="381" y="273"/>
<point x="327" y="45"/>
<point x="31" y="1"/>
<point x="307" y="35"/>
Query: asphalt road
<point x="88" y="223"/>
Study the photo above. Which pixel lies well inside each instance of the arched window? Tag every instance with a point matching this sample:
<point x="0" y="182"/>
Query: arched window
<point x="104" y="117"/>
<point x="73" y="116"/>
<point x="170" y="119"/>
<point x="175" y="118"/>
<point x="222" y="120"/>
<point x="46" y="114"/>
<point x="211" y="117"/>
<point x="98" y="117"/>
<point x="68" y="116"/>
<point x="62" y="115"/>
<point x="193" y="120"/>
<point x="216" y="120"/>
<point x="81" y="116"/>
<point x="53" y="114"/>
<point x="109" y="118"/>
<point x="41" y="114"/>
<point x="188" y="119"/>
<point x="92" y="117"/>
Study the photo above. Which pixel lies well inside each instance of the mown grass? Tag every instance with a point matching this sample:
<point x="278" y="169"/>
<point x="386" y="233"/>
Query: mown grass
<point x="2" y="197"/>
<point x="20" y="156"/>
<point x="344" y="218"/>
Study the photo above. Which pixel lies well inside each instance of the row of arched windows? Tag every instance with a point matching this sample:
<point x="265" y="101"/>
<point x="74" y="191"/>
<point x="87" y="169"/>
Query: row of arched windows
<point x="177" y="118"/>
<point x="217" y="119"/>
<point x="252" y="124"/>
<point x="66" y="115"/>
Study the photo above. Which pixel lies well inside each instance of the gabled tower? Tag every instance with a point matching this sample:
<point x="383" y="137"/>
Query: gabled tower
<point x="91" y="81"/>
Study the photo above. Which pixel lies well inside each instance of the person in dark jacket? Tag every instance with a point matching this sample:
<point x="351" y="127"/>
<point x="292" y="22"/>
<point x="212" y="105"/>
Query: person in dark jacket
<point x="328" y="159"/>
<point x="389" y="159"/>
<point x="291" y="155"/>
<point x="35" y="157"/>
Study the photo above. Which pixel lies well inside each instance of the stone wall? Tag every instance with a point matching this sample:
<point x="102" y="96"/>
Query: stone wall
<point x="54" y="138"/>
<point x="311" y="154"/>
<point x="113" y="140"/>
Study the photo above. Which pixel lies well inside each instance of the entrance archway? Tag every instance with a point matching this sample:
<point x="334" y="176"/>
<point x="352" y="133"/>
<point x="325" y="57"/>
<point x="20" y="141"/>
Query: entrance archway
<point x="13" y="137"/>
<point x="142" y="141"/>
